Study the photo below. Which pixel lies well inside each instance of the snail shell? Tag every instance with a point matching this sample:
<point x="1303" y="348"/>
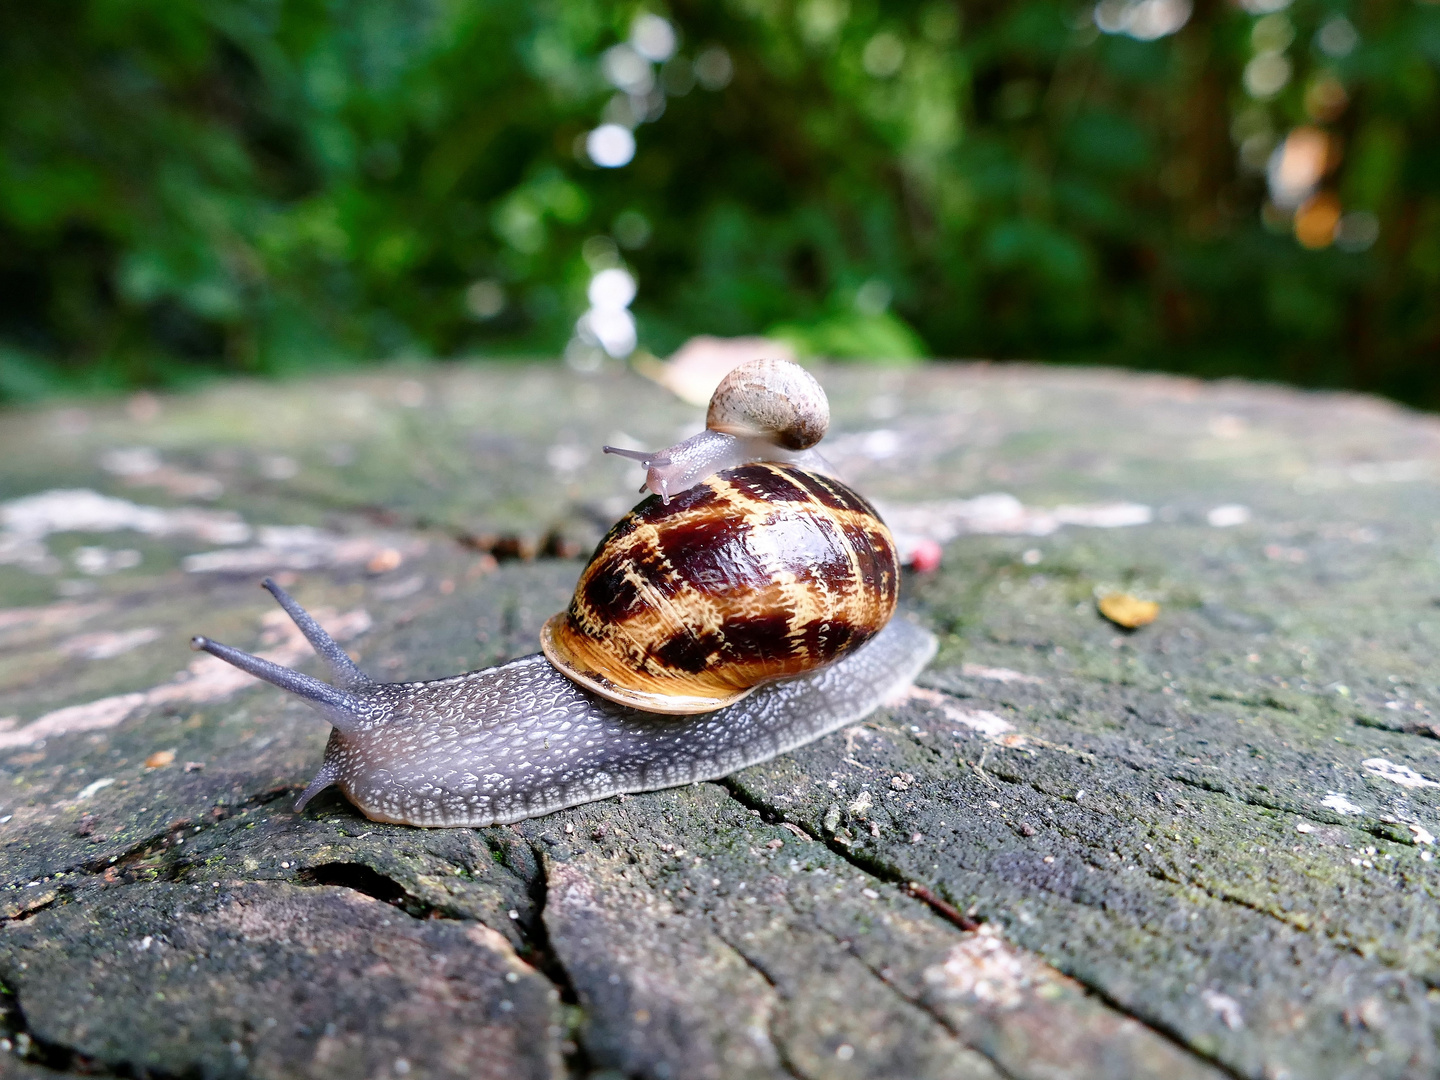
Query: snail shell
<point x="777" y="400"/>
<point x="759" y="573"/>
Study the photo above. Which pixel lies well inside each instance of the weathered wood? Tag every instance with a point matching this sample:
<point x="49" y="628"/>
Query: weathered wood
<point x="1196" y="849"/>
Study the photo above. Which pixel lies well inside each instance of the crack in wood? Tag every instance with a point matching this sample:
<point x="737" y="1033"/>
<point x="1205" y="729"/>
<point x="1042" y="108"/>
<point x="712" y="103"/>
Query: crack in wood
<point x="891" y="876"/>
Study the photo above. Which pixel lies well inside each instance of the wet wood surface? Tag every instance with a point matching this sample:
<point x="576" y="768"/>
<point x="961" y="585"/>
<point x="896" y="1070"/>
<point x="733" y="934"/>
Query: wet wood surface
<point x="1195" y="849"/>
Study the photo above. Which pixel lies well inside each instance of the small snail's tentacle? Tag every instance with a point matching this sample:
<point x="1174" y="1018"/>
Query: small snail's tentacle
<point x="678" y="468"/>
<point x="341" y="708"/>
<point x="341" y="666"/>
<point x="644" y="457"/>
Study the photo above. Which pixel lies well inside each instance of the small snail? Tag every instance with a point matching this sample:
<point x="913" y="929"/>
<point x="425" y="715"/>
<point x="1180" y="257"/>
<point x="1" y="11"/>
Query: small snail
<point x="764" y="410"/>
<point x="742" y="613"/>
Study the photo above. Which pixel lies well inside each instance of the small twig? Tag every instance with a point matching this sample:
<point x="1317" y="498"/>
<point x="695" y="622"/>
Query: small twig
<point x="979" y="767"/>
<point x="942" y="907"/>
<point x="1085" y="755"/>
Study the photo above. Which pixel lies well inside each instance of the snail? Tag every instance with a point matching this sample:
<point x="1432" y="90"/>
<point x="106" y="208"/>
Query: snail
<point x="763" y="410"/>
<point x="741" y="611"/>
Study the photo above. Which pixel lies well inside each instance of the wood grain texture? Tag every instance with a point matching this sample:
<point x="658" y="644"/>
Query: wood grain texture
<point x="1199" y="849"/>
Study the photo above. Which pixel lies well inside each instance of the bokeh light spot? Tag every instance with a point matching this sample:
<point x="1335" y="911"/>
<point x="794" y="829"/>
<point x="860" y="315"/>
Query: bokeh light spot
<point x="1266" y="75"/>
<point x="1297" y="165"/>
<point x="884" y="55"/>
<point x="610" y="146"/>
<point x="625" y="69"/>
<point x="714" y="68"/>
<point x="485" y="299"/>
<point x="1337" y="37"/>
<point x="600" y="253"/>
<point x="873" y="298"/>
<point x="631" y="229"/>
<point x="1357" y="231"/>
<point x="1273" y="33"/>
<point x="1316" y="220"/>
<point x="1143" y="20"/>
<point x="613" y="329"/>
<point x="653" y="37"/>
<point x="611" y="289"/>
<point x="820" y="20"/>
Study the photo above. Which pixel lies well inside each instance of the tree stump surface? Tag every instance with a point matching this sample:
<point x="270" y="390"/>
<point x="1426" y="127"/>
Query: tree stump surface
<point x="1196" y="849"/>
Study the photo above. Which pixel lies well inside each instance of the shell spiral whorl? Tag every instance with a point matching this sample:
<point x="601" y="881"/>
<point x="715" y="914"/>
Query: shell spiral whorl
<point x="773" y="399"/>
<point x="761" y="572"/>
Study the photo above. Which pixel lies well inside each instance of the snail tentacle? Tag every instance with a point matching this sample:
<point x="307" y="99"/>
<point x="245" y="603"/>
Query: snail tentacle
<point x="677" y="469"/>
<point x="344" y="709"/>
<point x="345" y="673"/>
<point x="328" y="774"/>
<point x="521" y="740"/>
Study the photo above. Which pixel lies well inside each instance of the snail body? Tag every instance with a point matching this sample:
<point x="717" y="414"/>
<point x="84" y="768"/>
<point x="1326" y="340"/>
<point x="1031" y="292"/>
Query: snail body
<point x="742" y="611"/>
<point x="521" y="740"/>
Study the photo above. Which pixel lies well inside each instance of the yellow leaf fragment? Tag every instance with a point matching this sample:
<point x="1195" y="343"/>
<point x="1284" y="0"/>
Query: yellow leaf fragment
<point x="1128" y="611"/>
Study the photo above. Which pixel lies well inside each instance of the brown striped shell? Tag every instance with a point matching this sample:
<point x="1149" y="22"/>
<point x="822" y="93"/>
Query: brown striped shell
<point x="759" y="573"/>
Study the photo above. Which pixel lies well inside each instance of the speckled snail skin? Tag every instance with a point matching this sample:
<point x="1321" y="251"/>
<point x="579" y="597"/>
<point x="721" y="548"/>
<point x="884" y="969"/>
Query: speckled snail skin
<point x="741" y="612"/>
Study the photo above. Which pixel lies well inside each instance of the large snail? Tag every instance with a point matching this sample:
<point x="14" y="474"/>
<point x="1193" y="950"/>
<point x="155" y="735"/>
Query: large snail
<point x="740" y="612"/>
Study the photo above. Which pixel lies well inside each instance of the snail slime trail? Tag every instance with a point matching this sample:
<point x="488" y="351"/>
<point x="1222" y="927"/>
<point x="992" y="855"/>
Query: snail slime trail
<point x="742" y="610"/>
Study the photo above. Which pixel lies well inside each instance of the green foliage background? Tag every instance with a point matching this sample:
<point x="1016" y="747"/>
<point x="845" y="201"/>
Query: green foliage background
<point x="189" y="186"/>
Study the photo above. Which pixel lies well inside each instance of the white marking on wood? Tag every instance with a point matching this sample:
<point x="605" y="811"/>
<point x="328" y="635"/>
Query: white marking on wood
<point x="91" y="789"/>
<point x="1225" y="1007"/>
<point x="206" y="679"/>
<point x="1341" y="805"/>
<point x="1400" y="774"/>
<point x="999" y="674"/>
<point x="986" y="967"/>
<point x="985" y="723"/>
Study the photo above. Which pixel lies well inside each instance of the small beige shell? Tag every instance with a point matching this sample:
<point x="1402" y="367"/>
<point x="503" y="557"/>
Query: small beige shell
<point x="774" y="399"/>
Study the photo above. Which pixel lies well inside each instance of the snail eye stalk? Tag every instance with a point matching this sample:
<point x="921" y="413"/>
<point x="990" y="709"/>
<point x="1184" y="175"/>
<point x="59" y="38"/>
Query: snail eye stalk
<point x="345" y="709"/>
<point x="644" y="457"/>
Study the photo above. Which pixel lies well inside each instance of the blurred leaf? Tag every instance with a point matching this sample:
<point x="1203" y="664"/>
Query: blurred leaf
<point x="24" y="377"/>
<point x="853" y="336"/>
<point x="269" y="185"/>
<point x="1108" y="143"/>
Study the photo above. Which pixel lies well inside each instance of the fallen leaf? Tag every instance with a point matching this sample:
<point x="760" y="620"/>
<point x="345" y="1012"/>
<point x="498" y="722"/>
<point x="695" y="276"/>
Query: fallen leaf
<point x="1128" y="611"/>
<point x="160" y="759"/>
<point x="384" y="561"/>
